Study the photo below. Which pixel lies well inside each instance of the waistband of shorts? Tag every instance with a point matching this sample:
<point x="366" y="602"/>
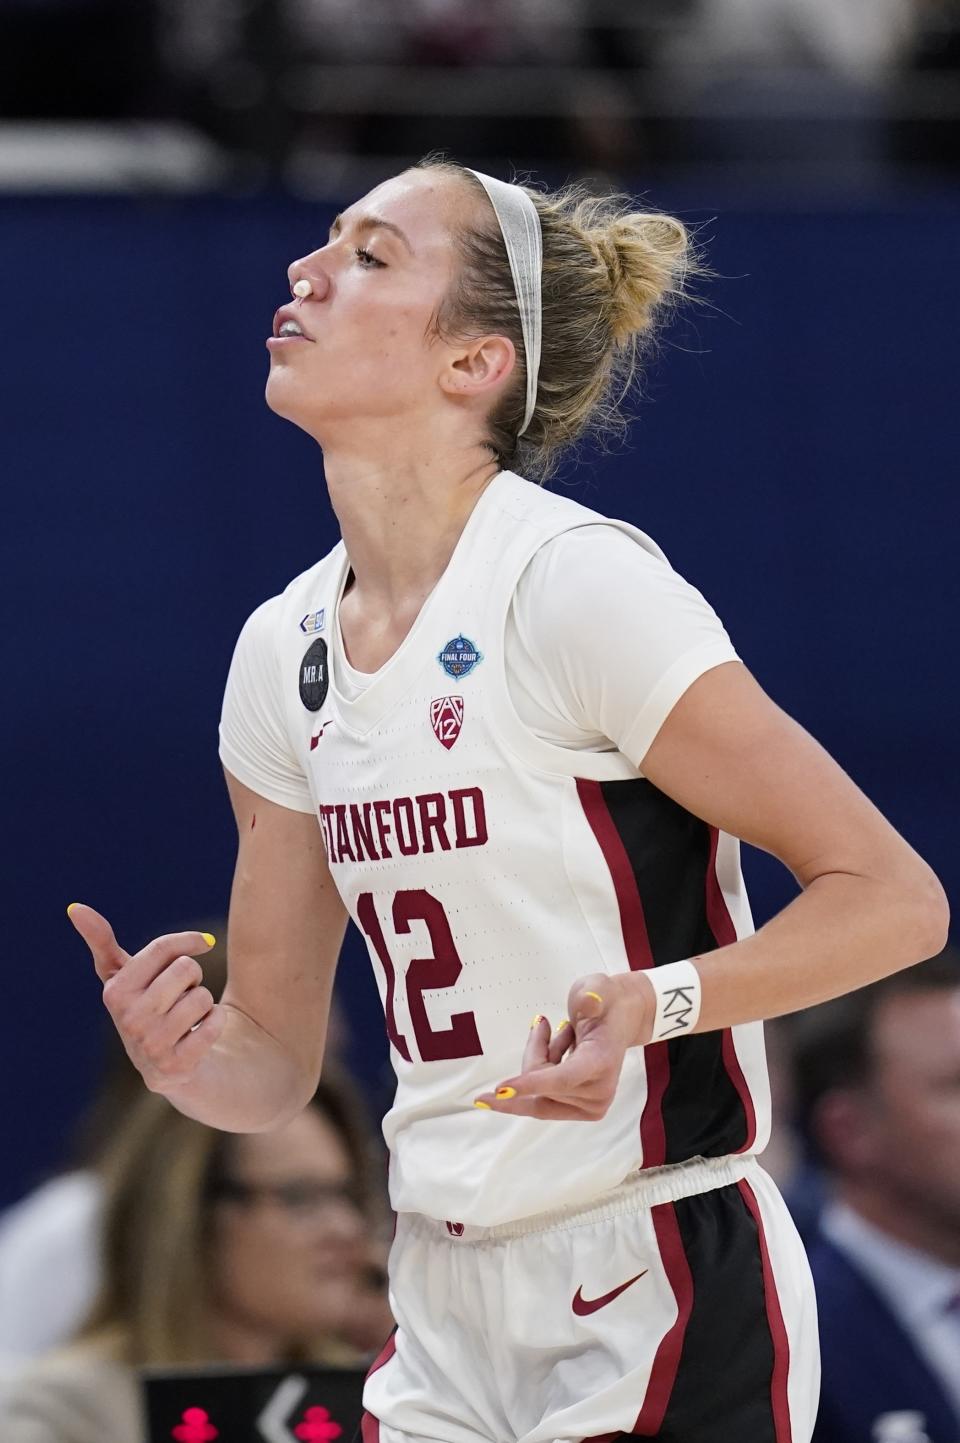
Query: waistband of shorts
<point x="637" y="1192"/>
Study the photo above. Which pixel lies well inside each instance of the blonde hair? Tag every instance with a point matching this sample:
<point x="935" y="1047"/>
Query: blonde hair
<point x="612" y="274"/>
<point x="160" y="1175"/>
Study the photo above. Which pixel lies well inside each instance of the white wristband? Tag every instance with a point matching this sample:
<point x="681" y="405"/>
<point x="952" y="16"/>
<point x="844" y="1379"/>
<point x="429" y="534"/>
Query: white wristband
<point x="679" y="992"/>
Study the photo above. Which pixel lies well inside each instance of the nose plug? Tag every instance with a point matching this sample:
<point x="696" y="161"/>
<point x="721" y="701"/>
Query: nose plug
<point x="302" y="288"/>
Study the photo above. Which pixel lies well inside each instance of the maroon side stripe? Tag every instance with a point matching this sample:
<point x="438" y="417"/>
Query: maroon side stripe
<point x="664" y="1371"/>
<point x="632" y="920"/>
<point x="633" y="924"/>
<point x="721" y="925"/>
<point x="370" y="1426"/>
<point x="778" y="1332"/>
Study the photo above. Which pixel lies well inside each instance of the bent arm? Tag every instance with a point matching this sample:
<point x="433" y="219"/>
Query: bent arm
<point x="869" y="905"/>
<point x="285" y="932"/>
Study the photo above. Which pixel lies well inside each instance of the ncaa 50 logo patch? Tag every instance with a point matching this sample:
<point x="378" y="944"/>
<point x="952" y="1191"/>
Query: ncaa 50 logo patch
<point x="446" y="718"/>
<point x="313" y="622"/>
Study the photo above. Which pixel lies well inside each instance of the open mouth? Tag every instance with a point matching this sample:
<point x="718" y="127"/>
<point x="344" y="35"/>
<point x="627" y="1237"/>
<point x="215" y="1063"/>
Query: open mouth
<point x="287" y="327"/>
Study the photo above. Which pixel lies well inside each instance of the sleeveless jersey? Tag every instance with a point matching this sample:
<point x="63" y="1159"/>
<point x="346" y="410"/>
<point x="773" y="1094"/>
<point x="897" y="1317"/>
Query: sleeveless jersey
<point x="489" y="869"/>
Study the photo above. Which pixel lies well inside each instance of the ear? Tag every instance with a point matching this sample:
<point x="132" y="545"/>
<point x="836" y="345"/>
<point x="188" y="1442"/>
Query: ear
<point x="844" y="1124"/>
<point x="479" y="368"/>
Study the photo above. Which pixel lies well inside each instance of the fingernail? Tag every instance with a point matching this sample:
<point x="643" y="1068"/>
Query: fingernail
<point x="505" y="1092"/>
<point x="209" y="938"/>
<point x="485" y="1105"/>
<point x="565" y="1022"/>
<point x="71" y="907"/>
<point x="537" y="1018"/>
<point x="596" y="995"/>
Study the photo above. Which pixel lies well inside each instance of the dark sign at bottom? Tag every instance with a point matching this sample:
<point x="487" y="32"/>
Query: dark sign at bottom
<point x="264" y="1405"/>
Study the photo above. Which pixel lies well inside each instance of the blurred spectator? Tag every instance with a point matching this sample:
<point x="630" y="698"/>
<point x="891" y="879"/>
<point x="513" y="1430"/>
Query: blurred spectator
<point x="816" y="75"/>
<point x="471" y="51"/>
<point x="860" y="39"/>
<point x="926" y="123"/>
<point x="245" y="1249"/>
<point x="877" y="1081"/>
<point x="50" y="1253"/>
<point x="50" y="1241"/>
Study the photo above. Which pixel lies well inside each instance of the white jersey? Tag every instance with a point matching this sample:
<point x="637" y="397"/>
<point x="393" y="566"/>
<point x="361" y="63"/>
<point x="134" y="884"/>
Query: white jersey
<point x="488" y="868"/>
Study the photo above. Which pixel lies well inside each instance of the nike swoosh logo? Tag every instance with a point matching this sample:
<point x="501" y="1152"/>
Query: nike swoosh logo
<point x="582" y="1306"/>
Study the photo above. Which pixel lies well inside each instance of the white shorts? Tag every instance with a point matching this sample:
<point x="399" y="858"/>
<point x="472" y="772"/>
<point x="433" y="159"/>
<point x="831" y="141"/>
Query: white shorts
<point x="679" y="1307"/>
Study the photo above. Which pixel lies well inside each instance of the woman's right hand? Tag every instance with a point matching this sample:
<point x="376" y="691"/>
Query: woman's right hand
<point x="167" y="1020"/>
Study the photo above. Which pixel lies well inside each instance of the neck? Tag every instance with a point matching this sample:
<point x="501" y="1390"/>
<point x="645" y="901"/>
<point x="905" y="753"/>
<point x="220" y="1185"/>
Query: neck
<point x="937" y="1237"/>
<point x="239" y="1340"/>
<point x="401" y="518"/>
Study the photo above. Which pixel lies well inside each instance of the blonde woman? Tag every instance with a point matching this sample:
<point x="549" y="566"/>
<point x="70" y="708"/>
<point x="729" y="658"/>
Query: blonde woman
<point x="247" y="1250"/>
<point x="497" y="730"/>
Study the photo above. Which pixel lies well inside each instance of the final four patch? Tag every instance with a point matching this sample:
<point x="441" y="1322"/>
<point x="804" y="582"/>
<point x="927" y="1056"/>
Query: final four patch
<point x="459" y="657"/>
<point x="314" y="675"/>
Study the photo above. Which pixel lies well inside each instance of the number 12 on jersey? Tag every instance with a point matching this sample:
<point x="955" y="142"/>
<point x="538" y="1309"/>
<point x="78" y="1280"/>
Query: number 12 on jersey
<point x="424" y="974"/>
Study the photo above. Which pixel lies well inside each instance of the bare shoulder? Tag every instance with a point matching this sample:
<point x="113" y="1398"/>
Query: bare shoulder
<point x="730" y="755"/>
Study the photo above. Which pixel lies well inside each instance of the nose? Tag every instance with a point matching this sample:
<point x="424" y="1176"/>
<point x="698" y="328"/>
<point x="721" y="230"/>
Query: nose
<point x="310" y="270"/>
<point x="345" y="1221"/>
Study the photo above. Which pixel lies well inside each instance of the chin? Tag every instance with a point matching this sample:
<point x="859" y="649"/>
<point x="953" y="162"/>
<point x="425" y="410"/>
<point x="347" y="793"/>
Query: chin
<point x="281" y="395"/>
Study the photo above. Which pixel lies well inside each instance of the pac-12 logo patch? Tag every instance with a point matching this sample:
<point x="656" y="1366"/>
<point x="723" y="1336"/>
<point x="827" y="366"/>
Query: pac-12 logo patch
<point x="459" y="657"/>
<point x="446" y="718"/>
<point x="314" y="675"/>
<point x="313" y="622"/>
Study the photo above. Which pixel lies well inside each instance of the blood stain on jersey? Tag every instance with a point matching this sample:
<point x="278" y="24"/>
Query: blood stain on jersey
<point x="446" y="718"/>
<point x="459" y="657"/>
<point x="313" y="622"/>
<point x="314" y="675"/>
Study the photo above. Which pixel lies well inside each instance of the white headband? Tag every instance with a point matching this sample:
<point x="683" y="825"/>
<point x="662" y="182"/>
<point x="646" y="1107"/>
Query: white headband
<point x="520" y="226"/>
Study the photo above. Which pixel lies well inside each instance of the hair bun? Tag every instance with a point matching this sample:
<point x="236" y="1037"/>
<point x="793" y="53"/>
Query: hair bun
<point x="646" y="256"/>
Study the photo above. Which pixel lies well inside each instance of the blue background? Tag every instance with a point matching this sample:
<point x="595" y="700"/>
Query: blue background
<point x="795" y="457"/>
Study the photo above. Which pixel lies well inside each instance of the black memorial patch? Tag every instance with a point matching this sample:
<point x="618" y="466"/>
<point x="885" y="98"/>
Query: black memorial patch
<point x="314" y="675"/>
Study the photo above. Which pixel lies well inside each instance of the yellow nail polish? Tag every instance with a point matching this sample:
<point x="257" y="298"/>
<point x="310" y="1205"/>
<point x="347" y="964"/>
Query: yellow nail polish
<point x="71" y="907"/>
<point x="505" y="1092"/>
<point x="209" y="938"/>
<point x="596" y="995"/>
<point x="485" y="1105"/>
<point x="563" y="1024"/>
<point x="537" y="1019"/>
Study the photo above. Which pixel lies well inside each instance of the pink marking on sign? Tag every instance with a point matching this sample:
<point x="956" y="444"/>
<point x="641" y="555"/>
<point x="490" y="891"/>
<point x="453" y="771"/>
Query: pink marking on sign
<point x="195" y="1427"/>
<point x="318" y="1426"/>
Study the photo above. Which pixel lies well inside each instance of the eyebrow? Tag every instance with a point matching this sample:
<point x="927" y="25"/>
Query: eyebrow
<point x="372" y="222"/>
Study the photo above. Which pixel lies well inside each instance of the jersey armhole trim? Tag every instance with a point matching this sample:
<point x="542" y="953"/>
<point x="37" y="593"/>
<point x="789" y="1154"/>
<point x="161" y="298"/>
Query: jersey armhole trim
<point x="238" y="768"/>
<point x="669" y="689"/>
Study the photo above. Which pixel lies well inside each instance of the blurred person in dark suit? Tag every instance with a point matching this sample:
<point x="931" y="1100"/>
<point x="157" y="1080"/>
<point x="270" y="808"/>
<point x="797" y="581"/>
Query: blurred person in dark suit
<point x="251" y="1249"/>
<point x="877" y="1081"/>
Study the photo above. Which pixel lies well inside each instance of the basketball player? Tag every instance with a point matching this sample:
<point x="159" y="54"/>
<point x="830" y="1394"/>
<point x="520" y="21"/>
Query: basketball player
<point x="499" y="731"/>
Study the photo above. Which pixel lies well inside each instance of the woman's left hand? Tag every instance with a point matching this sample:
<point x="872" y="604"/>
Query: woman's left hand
<point x="572" y="1072"/>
